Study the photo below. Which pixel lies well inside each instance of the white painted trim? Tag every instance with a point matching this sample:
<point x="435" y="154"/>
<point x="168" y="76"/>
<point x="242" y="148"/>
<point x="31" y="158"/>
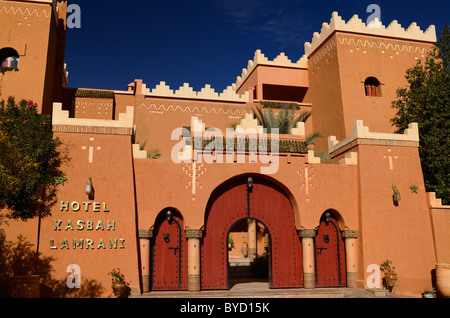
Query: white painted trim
<point x="355" y="25"/>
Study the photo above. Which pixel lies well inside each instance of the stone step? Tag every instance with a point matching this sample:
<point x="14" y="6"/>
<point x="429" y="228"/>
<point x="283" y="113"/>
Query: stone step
<point x="378" y="292"/>
<point x="239" y="261"/>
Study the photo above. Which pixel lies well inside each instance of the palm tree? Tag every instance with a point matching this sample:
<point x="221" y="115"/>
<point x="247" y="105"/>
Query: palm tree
<point x="285" y="121"/>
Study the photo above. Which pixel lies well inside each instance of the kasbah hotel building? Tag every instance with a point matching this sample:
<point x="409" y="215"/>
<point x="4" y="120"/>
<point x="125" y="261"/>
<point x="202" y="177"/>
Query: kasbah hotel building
<point x="166" y="222"/>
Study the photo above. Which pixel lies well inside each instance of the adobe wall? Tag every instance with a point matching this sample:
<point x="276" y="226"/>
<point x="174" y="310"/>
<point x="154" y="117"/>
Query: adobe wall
<point x="157" y="118"/>
<point x="387" y="59"/>
<point x="403" y="233"/>
<point x="98" y="232"/>
<point x="440" y="217"/>
<point x="282" y="76"/>
<point x="343" y="54"/>
<point x="30" y="29"/>
<point x="312" y="188"/>
<point x="399" y="231"/>
<point x="111" y="211"/>
<point x="326" y="92"/>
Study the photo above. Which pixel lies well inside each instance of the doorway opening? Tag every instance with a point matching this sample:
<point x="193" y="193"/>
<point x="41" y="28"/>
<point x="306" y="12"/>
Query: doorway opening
<point x="248" y="246"/>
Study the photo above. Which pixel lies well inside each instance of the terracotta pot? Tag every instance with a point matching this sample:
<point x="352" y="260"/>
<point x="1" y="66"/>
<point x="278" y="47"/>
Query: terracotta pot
<point x="390" y="281"/>
<point x="443" y="279"/>
<point x="119" y="288"/>
<point x="26" y="286"/>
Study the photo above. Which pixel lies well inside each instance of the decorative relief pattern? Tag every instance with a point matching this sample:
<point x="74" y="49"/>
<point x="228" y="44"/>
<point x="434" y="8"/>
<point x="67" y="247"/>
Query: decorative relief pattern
<point x="194" y="233"/>
<point x="145" y="279"/>
<point x="309" y="280"/>
<point x="325" y="52"/>
<point x="100" y="107"/>
<point x="307" y="233"/>
<point x="24" y="11"/>
<point x="351" y="280"/>
<point x="194" y="282"/>
<point x="350" y="234"/>
<point x="194" y="173"/>
<point x="306" y="175"/>
<point x="145" y="234"/>
<point x="382" y="45"/>
<point x="92" y="130"/>
<point x="355" y="25"/>
<point x="238" y="113"/>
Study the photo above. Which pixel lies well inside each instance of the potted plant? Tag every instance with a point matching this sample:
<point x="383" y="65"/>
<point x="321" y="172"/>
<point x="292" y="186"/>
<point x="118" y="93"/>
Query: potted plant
<point x="429" y="293"/>
<point x="230" y="242"/>
<point x="119" y="285"/>
<point x="390" y="276"/>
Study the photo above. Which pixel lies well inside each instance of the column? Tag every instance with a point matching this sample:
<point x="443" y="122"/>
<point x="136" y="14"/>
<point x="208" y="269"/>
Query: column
<point x="251" y="238"/>
<point x="193" y="237"/>
<point x="144" y="240"/>
<point x="351" y="256"/>
<point x="309" y="278"/>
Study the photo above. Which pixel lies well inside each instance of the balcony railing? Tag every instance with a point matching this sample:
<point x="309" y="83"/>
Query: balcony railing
<point x="283" y="144"/>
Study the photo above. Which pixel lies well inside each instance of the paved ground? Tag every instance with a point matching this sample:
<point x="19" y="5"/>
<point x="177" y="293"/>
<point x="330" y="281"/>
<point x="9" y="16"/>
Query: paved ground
<point x="262" y="290"/>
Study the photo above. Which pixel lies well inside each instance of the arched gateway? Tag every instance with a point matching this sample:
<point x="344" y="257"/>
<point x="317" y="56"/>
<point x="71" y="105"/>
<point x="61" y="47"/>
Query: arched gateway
<point x="257" y="198"/>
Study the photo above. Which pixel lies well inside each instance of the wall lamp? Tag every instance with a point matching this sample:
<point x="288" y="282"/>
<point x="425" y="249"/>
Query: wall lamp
<point x="395" y="195"/>
<point x="168" y="215"/>
<point x="89" y="189"/>
<point x="250" y="184"/>
<point x="327" y="217"/>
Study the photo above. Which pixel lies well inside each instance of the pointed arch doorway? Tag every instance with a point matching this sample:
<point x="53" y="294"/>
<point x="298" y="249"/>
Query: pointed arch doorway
<point x="168" y="252"/>
<point x="330" y="253"/>
<point x="258" y="198"/>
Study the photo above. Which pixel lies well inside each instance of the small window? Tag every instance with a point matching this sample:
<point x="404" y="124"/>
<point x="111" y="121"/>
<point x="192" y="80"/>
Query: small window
<point x="9" y="58"/>
<point x="372" y="87"/>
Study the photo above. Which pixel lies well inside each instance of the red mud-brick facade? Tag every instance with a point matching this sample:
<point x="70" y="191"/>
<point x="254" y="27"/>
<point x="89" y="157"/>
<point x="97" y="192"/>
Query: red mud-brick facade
<point x="165" y="220"/>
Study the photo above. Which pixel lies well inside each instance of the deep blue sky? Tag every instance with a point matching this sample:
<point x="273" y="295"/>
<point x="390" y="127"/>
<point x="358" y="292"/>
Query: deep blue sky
<point x="208" y="41"/>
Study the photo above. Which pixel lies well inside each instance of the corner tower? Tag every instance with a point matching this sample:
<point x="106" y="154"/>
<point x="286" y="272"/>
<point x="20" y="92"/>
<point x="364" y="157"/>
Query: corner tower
<point x="32" y="43"/>
<point x="355" y="69"/>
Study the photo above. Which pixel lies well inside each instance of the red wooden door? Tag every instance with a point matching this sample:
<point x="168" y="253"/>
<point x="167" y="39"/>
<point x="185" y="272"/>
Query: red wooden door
<point x="330" y="256"/>
<point x="169" y="257"/>
<point x="265" y="203"/>
<point x="269" y="205"/>
<point x="226" y="209"/>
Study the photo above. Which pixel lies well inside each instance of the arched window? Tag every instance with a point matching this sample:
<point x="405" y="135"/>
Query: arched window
<point x="372" y="86"/>
<point x="9" y="58"/>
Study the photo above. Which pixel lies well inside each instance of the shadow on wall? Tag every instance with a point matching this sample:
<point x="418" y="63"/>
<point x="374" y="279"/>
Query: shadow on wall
<point x="19" y="258"/>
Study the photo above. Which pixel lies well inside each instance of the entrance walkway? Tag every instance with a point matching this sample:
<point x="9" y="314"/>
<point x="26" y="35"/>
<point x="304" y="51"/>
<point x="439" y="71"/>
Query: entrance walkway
<point x="261" y="290"/>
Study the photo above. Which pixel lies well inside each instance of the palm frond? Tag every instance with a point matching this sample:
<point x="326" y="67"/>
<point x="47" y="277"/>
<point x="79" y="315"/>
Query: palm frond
<point x="311" y="138"/>
<point x="141" y="147"/>
<point x="323" y="155"/>
<point x="154" y="153"/>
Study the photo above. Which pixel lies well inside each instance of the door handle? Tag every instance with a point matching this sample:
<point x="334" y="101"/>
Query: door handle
<point x="319" y="249"/>
<point x="174" y="250"/>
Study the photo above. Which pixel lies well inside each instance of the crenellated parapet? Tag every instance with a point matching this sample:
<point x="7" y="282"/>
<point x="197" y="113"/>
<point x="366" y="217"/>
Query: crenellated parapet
<point x="61" y="122"/>
<point x="187" y="92"/>
<point x="361" y="135"/>
<point x="260" y="59"/>
<point x="356" y="25"/>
